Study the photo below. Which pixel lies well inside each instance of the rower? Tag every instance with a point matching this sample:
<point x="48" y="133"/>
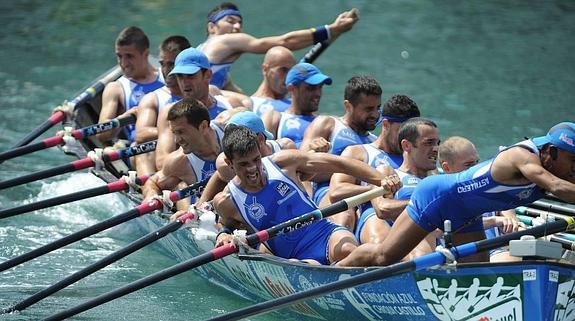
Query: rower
<point x="362" y="103"/>
<point x="385" y="150"/>
<point x="266" y="144"/>
<point x="457" y="154"/>
<point x="517" y="175"/>
<point x="195" y="160"/>
<point x="305" y="83"/>
<point x="272" y="91"/>
<point x="419" y="140"/>
<point x="267" y="191"/>
<point x="226" y="42"/>
<point x="140" y="77"/>
<point x="193" y="74"/>
<point x="152" y="103"/>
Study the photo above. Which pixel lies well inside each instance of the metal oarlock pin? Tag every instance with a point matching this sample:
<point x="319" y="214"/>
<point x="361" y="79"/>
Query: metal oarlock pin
<point x="447" y="235"/>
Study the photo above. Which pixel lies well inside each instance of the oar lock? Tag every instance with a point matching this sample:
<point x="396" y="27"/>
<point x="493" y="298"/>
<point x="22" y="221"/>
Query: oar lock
<point x="96" y="157"/>
<point x="67" y="108"/>
<point x="130" y="179"/>
<point x="239" y="239"/>
<point x="167" y="201"/>
<point x="68" y="138"/>
<point x="528" y="247"/>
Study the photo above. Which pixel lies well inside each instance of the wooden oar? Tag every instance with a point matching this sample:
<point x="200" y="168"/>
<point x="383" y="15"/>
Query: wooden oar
<point x="84" y="96"/>
<point x="117" y="255"/>
<point x="320" y="47"/>
<point x="83" y="163"/>
<point x="222" y="251"/>
<point x="81" y="133"/>
<point x="116" y="186"/>
<point x="429" y="260"/>
<point x="139" y="210"/>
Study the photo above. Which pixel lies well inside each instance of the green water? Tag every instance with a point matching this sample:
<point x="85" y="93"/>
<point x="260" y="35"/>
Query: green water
<point x="493" y="71"/>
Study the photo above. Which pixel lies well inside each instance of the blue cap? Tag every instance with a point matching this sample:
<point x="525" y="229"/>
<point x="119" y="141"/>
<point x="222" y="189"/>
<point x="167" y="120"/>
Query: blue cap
<point x="250" y="120"/>
<point x="308" y="73"/>
<point x="190" y="61"/>
<point x="561" y="135"/>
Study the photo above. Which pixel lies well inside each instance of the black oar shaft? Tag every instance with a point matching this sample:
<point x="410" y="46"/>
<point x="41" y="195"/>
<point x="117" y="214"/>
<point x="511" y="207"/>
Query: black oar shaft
<point x="26" y="149"/>
<point x="134" y="286"/>
<point x="78" y="134"/>
<point x="112" y="187"/>
<point x="553" y="207"/>
<point x="413" y="265"/>
<point x="101" y="190"/>
<point x="220" y="252"/>
<point x="58" y="170"/>
<point x="124" y="217"/>
<point x="73" y="278"/>
<point x="53" y="120"/>
<point x="80" y="164"/>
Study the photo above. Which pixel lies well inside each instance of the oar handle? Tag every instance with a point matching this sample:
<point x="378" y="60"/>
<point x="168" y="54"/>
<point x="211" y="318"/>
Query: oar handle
<point x="553" y="207"/>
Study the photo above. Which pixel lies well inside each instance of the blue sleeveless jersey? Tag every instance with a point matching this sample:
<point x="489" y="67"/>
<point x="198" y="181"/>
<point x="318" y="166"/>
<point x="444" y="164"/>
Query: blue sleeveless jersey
<point x="133" y="93"/>
<point x="341" y="137"/>
<point x="164" y="97"/>
<point x="205" y="168"/>
<point x="222" y="104"/>
<point x="464" y="196"/>
<point x="280" y="200"/>
<point x="261" y="105"/>
<point x="220" y="74"/>
<point x="293" y="126"/>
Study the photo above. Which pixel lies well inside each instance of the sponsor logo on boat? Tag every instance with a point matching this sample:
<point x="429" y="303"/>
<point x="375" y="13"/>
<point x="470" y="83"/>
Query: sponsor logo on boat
<point x="326" y="302"/>
<point x="565" y="300"/>
<point x="473" y="298"/>
<point x="473" y="186"/>
<point x="376" y="305"/>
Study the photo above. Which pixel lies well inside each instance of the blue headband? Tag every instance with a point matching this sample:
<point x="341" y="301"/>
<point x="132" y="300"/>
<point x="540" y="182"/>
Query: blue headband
<point x="227" y="12"/>
<point x="395" y="119"/>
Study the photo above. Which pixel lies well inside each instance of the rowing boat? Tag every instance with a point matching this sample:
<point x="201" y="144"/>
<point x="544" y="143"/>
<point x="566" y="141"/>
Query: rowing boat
<point x="528" y="290"/>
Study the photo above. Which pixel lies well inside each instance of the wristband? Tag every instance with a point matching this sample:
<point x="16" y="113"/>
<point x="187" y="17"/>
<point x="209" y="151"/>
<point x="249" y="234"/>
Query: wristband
<point x="320" y="34"/>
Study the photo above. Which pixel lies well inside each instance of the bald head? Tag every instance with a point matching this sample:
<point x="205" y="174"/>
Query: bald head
<point x="277" y="62"/>
<point x="277" y="54"/>
<point x="457" y="154"/>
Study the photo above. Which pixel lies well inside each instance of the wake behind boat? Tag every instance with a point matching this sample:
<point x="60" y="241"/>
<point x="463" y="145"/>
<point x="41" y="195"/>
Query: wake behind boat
<point x="528" y="290"/>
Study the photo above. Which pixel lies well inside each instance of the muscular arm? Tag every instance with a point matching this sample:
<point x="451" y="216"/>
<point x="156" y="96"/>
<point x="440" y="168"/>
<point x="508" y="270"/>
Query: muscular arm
<point x="112" y="106"/>
<point x="224" y="206"/>
<point x="230" y="46"/>
<point x="345" y="185"/>
<point x="166" y="143"/>
<point x="218" y="181"/>
<point x="529" y="165"/>
<point x="286" y="143"/>
<point x="146" y="129"/>
<point x="321" y="127"/>
<point x="176" y="169"/>
<point x="271" y="121"/>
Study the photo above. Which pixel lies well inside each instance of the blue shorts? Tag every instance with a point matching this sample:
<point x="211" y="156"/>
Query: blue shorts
<point x="435" y="200"/>
<point x="320" y="191"/>
<point x="363" y="217"/>
<point x="312" y="243"/>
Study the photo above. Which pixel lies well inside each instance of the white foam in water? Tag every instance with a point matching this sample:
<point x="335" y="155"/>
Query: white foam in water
<point x="83" y="212"/>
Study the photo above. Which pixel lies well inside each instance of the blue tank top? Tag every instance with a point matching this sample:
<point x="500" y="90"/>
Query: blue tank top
<point x="221" y="104"/>
<point x="165" y="97"/>
<point x="478" y="188"/>
<point x="376" y="157"/>
<point x="261" y="105"/>
<point x="280" y="200"/>
<point x="343" y="136"/>
<point x="205" y="168"/>
<point x="133" y="93"/>
<point x="219" y="71"/>
<point x="293" y="126"/>
<point x="409" y="182"/>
